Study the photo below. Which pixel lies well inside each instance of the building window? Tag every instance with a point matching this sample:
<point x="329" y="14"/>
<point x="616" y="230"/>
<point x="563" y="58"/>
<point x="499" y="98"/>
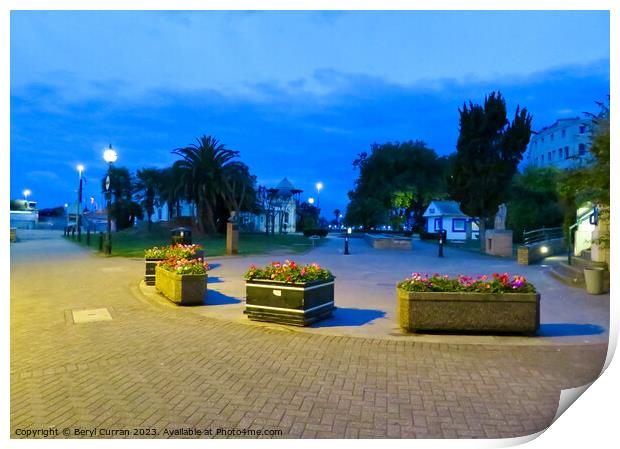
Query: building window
<point x="542" y="140"/>
<point x="582" y="149"/>
<point x="582" y="129"/>
<point x="438" y="224"/>
<point x="552" y="137"/>
<point x="549" y="156"/>
<point x="563" y="133"/>
<point x="565" y="152"/>
<point x="458" y="224"/>
<point x="542" y="159"/>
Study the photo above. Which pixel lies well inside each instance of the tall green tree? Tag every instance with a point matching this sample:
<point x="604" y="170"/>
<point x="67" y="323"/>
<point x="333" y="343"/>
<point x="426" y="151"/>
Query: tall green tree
<point x="123" y="209"/>
<point x="488" y="150"/>
<point x="147" y="186"/>
<point x="592" y="182"/>
<point x="534" y="201"/>
<point x="398" y="180"/>
<point x="204" y="169"/>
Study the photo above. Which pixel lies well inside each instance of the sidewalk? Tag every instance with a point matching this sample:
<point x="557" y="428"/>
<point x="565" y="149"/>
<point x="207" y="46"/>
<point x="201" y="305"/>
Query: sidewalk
<point x="366" y="293"/>
<point x="157" y="368"/>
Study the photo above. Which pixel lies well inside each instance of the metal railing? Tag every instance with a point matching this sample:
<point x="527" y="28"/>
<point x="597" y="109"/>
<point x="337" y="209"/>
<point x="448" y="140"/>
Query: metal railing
<point x="542" y="234"/>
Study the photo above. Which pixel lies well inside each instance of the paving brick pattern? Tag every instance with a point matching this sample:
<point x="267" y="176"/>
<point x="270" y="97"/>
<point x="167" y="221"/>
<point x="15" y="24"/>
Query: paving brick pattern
<point x="159" y="367"/>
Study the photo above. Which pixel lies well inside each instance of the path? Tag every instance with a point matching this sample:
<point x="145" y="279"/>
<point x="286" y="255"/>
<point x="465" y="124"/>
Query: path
<point x="156" y="367"/>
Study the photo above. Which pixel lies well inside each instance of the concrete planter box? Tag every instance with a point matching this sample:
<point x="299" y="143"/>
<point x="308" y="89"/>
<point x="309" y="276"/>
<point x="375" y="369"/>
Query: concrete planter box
<point x="381" y="241"/>
<point x="469" y="312"/>
<point x="286" y="303"/>
<point x="185" y="290"/>
<point x="150" y="264"/>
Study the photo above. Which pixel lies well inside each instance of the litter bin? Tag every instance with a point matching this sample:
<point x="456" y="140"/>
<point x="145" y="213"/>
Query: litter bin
<point x="181" y="235"/>
<point x="594" y="280"/>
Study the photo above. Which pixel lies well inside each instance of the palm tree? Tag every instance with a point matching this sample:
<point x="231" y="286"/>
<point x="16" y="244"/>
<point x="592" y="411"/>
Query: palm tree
<point x="204" y="170"/>
<point x="337" y="214"/>
<point x="147" y="187"/>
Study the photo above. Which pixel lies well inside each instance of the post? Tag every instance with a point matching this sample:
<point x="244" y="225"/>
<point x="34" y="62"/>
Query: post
<point x="88" y="237"/>
<point x="442" y="236"/>
<point x="100" y="241"/>
<point x="108" y="245"/>
<point x="232" y="235"/>
<point x="78" y="218"/>
<point x="346" y="242"/>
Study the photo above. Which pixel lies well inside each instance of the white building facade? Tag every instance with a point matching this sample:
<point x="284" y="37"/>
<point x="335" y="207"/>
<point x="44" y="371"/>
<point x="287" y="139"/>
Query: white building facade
<point x="564" y="145"/>
<point x="447" y="216"/>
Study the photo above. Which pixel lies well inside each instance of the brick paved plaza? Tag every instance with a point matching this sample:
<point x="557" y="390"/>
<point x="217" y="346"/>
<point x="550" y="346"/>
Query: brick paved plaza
<point x="157" y="366"/>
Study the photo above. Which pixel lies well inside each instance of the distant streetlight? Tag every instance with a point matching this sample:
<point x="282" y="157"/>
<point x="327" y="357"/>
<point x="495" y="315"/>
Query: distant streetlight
<point x="78" y="215"/>
<point x="110" y="156"/>
<point x="319" y="186"/>
<point x="310" y="200"/>
<point x="26" y="193"/>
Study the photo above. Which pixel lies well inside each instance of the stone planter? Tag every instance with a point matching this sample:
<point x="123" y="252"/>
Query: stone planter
<point x="286" y="303"/>
<point x="469" y="312"/>
<point x="185" y="290"/>
<point x="150" y="264"/>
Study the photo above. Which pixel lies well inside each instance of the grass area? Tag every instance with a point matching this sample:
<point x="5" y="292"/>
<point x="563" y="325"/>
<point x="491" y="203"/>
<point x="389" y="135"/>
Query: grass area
<point x="132" y="242"/>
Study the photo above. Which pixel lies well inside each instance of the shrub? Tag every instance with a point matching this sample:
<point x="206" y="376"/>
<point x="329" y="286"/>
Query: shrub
<point x="289" y="271"/>
<point x="317" y="232"/>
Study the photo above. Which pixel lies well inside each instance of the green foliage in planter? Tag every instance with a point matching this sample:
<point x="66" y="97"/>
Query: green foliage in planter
<point x="498" y="283"/>
<point x="289" y="271"/>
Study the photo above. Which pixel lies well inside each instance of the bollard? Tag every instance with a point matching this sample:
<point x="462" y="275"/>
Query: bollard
<point x="346" y="245"/>
<point x="73" y="233"/>
<point x="442" y="237"/>
<point x="101" y="241"/>
<point x="88" y="237"/>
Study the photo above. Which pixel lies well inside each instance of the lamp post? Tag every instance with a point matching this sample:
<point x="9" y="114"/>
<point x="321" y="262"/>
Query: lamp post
<point x="319" y="186"/>
<point x="78" y="215"/>
<point x="110" y="156"/>
<point x="26" y="193"/>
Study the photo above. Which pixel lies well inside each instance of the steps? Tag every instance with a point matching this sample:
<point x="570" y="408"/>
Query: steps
<point x="573" y="274"/>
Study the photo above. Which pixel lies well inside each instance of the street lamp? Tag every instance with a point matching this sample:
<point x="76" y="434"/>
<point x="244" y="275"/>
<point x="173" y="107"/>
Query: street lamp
<point x="310" y="200"/>
<point x="319" y="186"/>
<point x="110" y="156"/>
<point x="26" y="193"/>
<point x="78" y="215"/>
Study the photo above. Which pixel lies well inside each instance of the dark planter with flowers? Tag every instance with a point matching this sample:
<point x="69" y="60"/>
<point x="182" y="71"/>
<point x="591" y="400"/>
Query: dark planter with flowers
<point x="292" y="301"/>
<point x="153" y="256"/>
<point x="508" y="309"/>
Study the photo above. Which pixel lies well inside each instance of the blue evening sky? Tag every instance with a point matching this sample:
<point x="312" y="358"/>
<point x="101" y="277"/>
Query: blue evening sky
<point x="299" y="94"/>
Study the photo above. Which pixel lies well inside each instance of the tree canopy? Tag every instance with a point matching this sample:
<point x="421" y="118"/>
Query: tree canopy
<point x="395" y="184"/>
<point x="488" y="151"/>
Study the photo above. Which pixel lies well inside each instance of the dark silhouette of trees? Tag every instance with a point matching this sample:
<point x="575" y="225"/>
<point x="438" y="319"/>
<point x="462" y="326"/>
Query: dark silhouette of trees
<point x="488" y="150"/>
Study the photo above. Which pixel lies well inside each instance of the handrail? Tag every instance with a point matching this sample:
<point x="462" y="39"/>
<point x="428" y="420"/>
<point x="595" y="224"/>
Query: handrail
<point x="538" y="235"/>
